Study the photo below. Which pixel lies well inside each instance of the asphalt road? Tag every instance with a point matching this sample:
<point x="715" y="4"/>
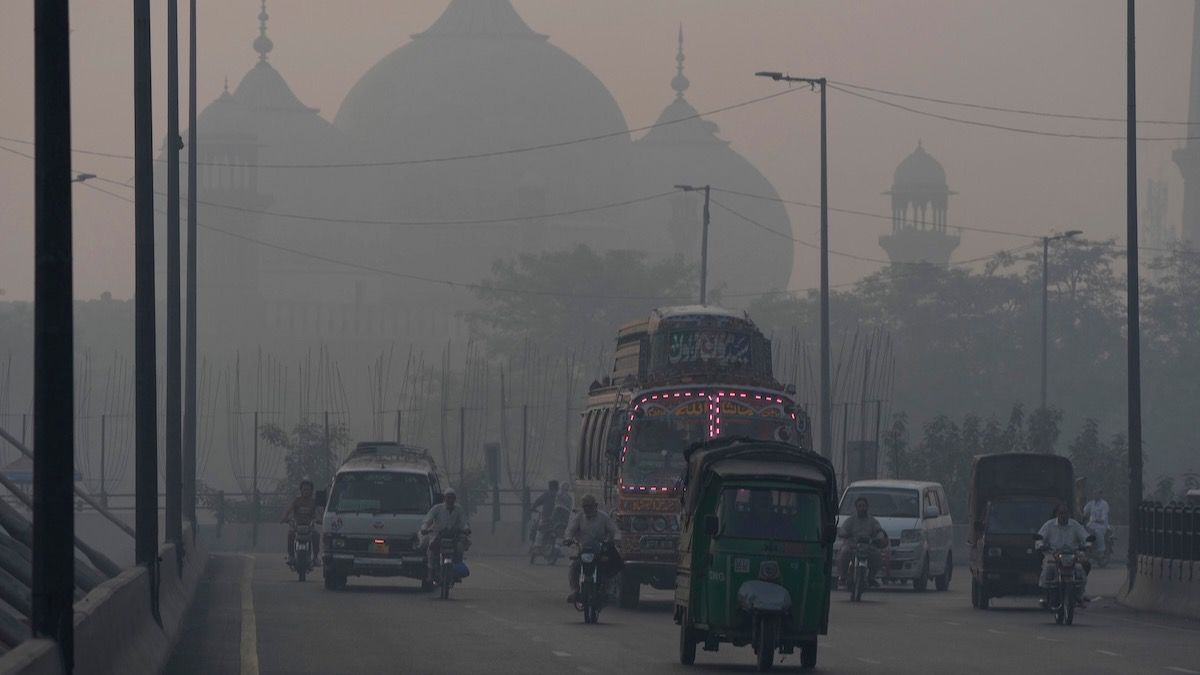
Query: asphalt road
<point x="252" y="616"/>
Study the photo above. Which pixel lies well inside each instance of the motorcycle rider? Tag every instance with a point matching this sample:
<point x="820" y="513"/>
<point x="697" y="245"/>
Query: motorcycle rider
<point x="1096" y="514"/>
<point x="861" y="525"/>
<point x="1063" y="533"/>
<point x="589" y="526"/>
<point x="302" y="511"/>
<point x="544" y="505"/>
<point x="447" y="515"/>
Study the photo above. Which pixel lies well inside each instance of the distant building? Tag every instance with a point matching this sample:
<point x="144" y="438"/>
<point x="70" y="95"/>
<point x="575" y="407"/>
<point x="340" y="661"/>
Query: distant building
<point x="920" y="198"/>
<point x="1188" y="157"/>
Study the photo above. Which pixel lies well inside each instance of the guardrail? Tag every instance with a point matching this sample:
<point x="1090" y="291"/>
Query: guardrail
<point x="1169" y="530"/>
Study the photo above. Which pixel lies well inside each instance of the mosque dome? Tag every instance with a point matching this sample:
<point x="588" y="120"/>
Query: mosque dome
<point x="750" y="251"/>
<point x="919" y="172"/>
<point x="480" y="81"/>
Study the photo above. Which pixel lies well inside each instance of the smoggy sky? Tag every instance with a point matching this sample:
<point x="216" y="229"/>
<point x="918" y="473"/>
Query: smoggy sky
<point x="1065" y="56"/>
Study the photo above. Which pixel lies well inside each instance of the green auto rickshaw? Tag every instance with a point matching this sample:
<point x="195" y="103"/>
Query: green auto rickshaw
<point x="756" y="549"/>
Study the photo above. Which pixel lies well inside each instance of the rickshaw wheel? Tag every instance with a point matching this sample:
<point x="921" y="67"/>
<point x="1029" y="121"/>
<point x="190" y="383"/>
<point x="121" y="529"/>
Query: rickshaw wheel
<point x="765" y="643"/>
<point x="687" y="641"/>
<point x="808" y="654"/>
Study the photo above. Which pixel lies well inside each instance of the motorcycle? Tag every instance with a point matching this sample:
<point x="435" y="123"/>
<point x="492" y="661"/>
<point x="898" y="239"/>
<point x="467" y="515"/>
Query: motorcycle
<point x="302" y="551"/>
<point x="1066" y="581"/>
<point x="448" y="558"/>
<point x="592" y="582"/>
<point x="547" y="543"/>
<point x="859" y="570"/>
<point x="1102" y="558"/>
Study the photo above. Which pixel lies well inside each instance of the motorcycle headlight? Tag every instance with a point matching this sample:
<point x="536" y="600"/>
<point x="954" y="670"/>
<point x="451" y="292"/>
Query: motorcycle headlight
<point x="912" y="536"/>
<point x="587" y="557"/>
<point x="339" y="543"/>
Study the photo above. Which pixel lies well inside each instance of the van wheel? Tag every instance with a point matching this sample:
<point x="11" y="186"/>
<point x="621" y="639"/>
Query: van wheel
<point x="942" y="581"/>
<point x="979" y="595"/>
<point x="921" y="581"/>
<point x="629" y="593"/>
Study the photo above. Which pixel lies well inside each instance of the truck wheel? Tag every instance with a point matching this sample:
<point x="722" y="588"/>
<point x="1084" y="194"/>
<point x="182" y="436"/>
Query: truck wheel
<point x="687" y="641"/>
<point x="921" y="581"/>
<point x="942" y="581"/>
<point x="630" y="592"/>
<point x="808" y="655"/>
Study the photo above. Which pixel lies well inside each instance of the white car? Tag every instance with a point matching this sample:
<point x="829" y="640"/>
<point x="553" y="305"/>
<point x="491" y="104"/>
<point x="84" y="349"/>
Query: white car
<point x="376" y="505"/>
<point x="916" y="517"/>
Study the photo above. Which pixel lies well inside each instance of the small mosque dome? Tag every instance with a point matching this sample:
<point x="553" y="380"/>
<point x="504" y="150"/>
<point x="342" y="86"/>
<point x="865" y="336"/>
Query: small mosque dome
<point x="919" y="171"/>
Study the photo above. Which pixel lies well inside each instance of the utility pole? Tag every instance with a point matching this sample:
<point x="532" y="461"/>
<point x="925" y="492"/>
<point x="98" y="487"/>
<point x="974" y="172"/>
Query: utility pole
<point x="103" y="459"/>
<point x="145" y="349"/>
<point x="328" y="461"/>
<point x="174" y="432"/>
<point x="462" y="446"/>
<point x="703" y="238"/>
<point x="1132" y="302"/>
<point x="254" y="490"/>
<point x="189" y="395"/>
<point x="1046" y="300"/>
<point x="826" y="405"/>
<point x="53" y="326"/>
<point x="397" y="425"/>
<point x="524" y="469"/>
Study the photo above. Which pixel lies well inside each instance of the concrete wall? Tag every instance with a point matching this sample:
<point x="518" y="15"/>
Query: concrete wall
<point x="1165" y="585"/>
<point x="115" y="631"/>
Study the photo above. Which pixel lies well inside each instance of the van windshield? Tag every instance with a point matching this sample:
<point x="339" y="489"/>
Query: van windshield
<point x="883" y="502"/>
<point x="1019" y="517"/>
<point x="380" y="492"/>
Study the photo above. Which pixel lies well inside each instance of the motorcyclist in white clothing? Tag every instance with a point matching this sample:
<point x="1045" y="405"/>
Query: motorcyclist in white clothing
<point x="1063" y="533"/>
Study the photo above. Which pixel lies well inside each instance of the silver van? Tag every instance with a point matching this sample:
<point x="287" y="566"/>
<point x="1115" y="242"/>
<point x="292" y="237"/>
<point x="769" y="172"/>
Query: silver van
<point x="916" y="517"/>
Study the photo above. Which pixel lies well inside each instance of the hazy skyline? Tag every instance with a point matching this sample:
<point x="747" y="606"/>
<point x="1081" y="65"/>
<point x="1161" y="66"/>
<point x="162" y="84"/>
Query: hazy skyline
<point x="1063" y="57"/>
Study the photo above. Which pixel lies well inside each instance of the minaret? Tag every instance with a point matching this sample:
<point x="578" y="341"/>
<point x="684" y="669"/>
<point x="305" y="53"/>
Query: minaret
<point x="920" y="198"/>
<point x="1188" y="157"/>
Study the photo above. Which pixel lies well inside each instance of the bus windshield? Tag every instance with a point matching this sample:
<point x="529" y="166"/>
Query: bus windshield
<point x="660" y="434"/>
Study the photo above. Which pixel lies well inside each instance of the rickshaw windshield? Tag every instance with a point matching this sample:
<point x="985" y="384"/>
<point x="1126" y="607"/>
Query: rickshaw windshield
<point x="770" y="513"/>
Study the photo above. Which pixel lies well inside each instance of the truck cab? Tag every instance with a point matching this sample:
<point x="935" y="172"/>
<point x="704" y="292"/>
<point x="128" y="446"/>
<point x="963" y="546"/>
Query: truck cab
<point x="373" y="513"/>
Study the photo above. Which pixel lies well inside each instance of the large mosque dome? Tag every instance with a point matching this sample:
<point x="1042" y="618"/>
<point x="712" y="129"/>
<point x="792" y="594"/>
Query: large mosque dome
<point x="480" y="80"/>
<point x="750" y="242"/>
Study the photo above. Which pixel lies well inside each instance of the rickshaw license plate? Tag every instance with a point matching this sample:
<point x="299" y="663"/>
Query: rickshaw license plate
<point x="377" y="547"/>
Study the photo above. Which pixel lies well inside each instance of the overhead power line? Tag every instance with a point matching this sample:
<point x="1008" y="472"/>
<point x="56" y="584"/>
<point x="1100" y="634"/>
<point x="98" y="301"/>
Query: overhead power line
<point x="1002" y="127"/>
<point x="466" y="156"/>
<point x="996" y="108"/>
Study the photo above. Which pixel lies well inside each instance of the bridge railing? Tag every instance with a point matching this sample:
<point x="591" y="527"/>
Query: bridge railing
<point x="1169" y="530"/>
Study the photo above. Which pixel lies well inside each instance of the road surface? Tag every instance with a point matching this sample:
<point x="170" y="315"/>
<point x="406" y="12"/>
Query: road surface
<point x="252" y="616"/>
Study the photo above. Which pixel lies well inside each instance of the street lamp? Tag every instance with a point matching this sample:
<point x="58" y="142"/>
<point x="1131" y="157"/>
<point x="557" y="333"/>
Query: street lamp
<point x="826" y="409"/>
<point x="703" y="239"/>
<point x="83" y="177"/>
<point x="1045" y="297"/>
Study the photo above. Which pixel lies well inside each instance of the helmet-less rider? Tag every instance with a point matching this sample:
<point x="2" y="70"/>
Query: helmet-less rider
<point x="861" y="525"/>
<point x="443" y="517"/>
<point x="302" y="511"/>
<point x="589" y="526"/>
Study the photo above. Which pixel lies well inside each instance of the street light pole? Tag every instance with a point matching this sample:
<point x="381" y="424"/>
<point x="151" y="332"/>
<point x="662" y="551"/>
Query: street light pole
<point x="703" y="238"/>
<point x="189" y="339"/>
<point x="1046" y="299"/>
<point x="1134" y="356"/>
<point x="174" y="394"/>
<point x="826" y="403"/>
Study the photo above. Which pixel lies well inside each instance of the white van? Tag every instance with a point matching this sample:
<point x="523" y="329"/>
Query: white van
<point x="916" y="517"/>
<point x="373" y="513"/>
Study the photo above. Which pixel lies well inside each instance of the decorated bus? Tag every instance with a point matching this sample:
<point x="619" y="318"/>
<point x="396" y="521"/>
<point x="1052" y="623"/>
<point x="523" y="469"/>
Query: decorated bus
<point x="680" y="377"/>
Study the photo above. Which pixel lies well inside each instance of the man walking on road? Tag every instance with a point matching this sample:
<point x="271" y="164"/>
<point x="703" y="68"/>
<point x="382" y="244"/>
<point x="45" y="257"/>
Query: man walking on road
<point x="1095" y="515"/>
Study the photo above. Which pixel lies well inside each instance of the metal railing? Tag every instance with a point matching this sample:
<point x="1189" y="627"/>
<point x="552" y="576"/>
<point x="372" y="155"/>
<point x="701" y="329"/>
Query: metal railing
<point x="1169" y="530"/>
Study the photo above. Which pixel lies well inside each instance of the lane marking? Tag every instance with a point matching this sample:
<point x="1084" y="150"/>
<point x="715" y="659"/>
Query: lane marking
<point x="870" y="661"/>
<point x="1043" y="638"/>
<point x="1106" y="652"/>
<point x="911" y="616"/>
<point x="1183" y="670"/>
<point x="561" y="654"/>
<point x="585" y="669"/>
<point x="997" y="632"/>
<point x="952" y="623"/>
<point x="249" y="645"/>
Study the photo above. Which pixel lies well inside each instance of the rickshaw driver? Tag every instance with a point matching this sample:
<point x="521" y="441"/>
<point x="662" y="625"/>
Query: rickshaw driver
<point x="860" y="525"/>
<point x="589" y="527"/>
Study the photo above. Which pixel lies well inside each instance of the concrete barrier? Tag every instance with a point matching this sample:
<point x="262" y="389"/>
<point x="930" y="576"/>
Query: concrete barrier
<point x="115" y="630"/>
<point x="1165" y="585"/>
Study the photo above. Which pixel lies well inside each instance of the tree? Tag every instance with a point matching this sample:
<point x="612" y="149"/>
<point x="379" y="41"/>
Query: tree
<point x="568" y="299"/>
<point x="308" y="453"/>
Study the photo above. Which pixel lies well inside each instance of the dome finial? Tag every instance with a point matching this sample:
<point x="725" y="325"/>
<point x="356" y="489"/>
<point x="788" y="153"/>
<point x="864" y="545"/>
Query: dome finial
<point x="263" y="44"/>
<point x="680" y="82"/>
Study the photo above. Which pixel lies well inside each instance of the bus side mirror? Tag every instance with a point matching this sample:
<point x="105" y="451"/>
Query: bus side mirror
<point x="321" y="498"/>
<point x="712" y="525"/>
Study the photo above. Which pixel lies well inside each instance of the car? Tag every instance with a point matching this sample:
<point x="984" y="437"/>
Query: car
<point x="374" y="511"/>
<point x="916" y="517"/>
